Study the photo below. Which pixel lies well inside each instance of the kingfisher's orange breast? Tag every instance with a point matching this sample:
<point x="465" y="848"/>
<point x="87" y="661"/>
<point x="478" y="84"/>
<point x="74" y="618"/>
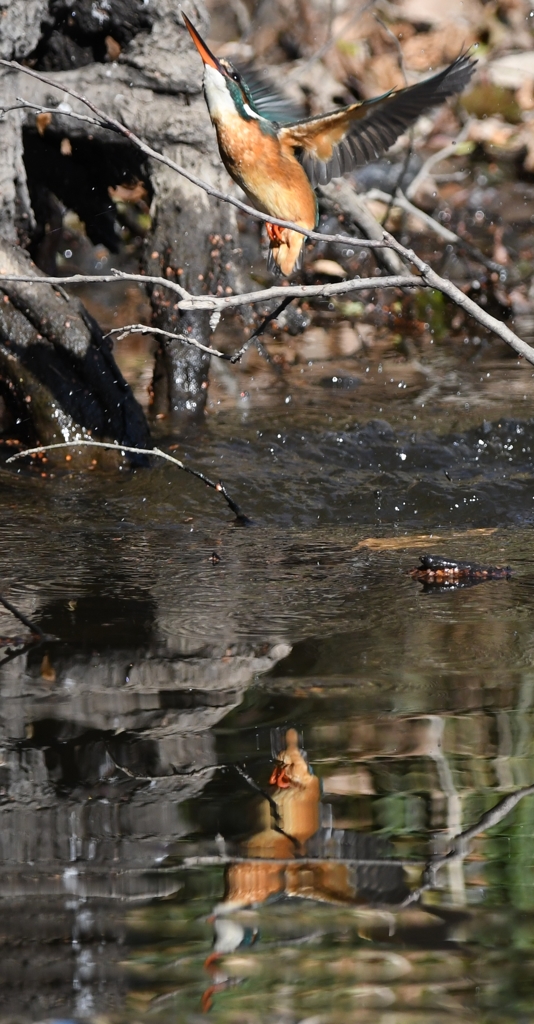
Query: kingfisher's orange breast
<point x="272" y="178"/>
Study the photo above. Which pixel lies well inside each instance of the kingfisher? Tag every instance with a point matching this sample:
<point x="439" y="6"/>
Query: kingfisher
<point x="279" y="164"/>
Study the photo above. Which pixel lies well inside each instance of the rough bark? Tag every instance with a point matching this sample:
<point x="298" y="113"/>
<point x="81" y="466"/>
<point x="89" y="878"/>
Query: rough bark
<point x="20" y="26"/>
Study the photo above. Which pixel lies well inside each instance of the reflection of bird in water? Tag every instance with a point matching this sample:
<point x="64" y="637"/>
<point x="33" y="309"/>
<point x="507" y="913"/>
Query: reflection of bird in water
<point x="229" y="936"/>
<point x="278" y="165"/>
<point x="291" y="855"/>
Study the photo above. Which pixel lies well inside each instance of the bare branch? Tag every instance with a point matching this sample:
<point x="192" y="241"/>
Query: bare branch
<point x="121" y="448"/>
<point x="434" y="280"/>
<point x="109" y="123"/>
<point x="32" y="626"/>
<point x="222" y="302"/>
<point x="460" y="845"/>
<point x="122" y="332"/>
<point x="400" y="200"/>
<point x="215" y="859"/>
<point x="98" y="279"/>
<point x="235" y="357"/>
<point x="141" y="278"/>
<point x="428" y="279"/>
<point x="26" y="105"/>
<point x="436" y="158"/>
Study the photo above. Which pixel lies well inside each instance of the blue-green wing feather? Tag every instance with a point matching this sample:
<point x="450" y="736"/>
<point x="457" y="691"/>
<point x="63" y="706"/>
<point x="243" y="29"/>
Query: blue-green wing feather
<point x="266" y="99"/>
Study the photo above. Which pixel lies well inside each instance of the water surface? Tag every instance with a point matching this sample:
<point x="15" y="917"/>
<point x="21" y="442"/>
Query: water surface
<point x="137" y="747"/>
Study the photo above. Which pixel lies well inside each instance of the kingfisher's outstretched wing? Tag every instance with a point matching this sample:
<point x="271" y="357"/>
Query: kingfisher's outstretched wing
<point x="331" y="144"/>
<point x="267" y="99"/>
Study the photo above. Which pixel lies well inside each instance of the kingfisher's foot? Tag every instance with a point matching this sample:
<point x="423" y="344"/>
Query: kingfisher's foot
<point x="275" y="233"/>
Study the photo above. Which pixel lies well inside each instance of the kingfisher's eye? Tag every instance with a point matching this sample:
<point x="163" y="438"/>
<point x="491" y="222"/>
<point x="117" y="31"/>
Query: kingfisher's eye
<point x="236" y="77"/>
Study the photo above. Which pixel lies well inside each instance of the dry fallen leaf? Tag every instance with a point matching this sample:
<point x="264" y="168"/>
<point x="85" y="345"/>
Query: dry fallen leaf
<point x="385" y="72"/>
<point x="500" y="253"/>
<point x="113" y="48"/>
<point x="525" y="94"/>
<point x="430" y="50"/>
<point x="525" y="139"/>
<point x="65" y="147"/>
<point x="429" y="12"/>
<point x="42" y="121"/>
<point x="329" y="268"/>
<point x="493" y="131"/>
<point x="398" y="543"/>
<point x="348" y="340"/>
<point x="133" y="193"/>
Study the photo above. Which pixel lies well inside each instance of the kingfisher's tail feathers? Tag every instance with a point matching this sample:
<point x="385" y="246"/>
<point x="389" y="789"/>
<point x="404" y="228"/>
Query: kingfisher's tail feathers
<point x="332" y="144"/>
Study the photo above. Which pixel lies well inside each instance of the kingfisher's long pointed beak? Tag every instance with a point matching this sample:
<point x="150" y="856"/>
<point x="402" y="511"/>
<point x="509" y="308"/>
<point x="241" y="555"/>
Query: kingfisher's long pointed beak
<point x="206" y="54"/>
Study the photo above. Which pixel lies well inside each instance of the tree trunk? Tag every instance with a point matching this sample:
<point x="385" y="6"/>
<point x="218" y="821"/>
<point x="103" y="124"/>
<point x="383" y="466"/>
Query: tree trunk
<point x="154" y="86"/>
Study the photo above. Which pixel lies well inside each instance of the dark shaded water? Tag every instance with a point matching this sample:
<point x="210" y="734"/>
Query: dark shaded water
<point x="135" y="747"/>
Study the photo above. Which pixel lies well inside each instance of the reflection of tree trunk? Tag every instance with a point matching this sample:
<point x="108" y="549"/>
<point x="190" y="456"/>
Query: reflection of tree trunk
<point x="133" y="727"/>
<point x="154" y="86"/>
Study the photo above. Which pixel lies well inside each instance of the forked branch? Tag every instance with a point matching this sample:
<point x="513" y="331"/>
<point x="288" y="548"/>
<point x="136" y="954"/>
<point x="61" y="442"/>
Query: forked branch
<point x="460" y="844"/>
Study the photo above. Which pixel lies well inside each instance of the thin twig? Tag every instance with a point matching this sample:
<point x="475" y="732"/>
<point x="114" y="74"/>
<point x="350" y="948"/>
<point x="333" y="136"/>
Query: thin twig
<point x="453" y="292"/>
<point x="399" y="199"/>
<point x="460" y="846"/>
<point x="428" y="278"/>
<point x="123" y="332"/>
<point x="36" y="630"/>
<point x="272" y="804"/>
<point x="23" y="104"/>
<point x="112" y="124"/>
<point x="400" y="180"/>
<point x="110" y="446"/>
<point x="442" y="154"/>
<point x="237" y="356"/>
<point x="398" y="47"/>
<point x="97" y="279"/>
<point x="211" y="860"/>
<point x="195" y="773"/>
